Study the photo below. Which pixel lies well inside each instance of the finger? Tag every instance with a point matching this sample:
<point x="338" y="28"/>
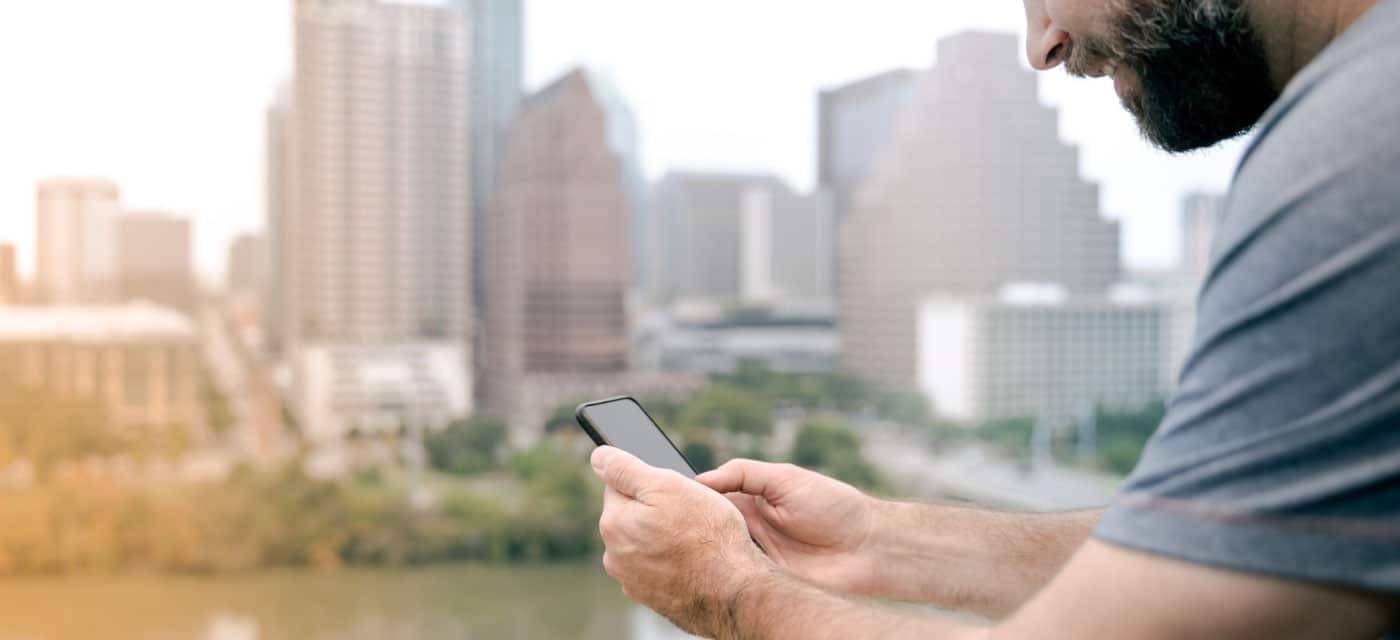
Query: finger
<point x="625" y="473"/>
<point x="753" y="517"/>
<point x="747" y="476"/>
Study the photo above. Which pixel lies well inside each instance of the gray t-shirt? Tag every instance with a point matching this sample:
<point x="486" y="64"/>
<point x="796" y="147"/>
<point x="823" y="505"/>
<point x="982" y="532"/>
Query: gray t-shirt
<point x="1280" y="452"/>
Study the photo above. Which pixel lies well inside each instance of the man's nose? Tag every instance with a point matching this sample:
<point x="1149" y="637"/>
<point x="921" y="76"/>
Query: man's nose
<point x="1046" y="45"/>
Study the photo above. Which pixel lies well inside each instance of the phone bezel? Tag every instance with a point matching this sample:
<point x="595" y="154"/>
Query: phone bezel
<point x="597" y="436"/>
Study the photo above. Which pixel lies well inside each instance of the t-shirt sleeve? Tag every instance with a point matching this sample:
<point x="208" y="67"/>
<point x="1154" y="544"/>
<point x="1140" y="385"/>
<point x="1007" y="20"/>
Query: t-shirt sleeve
<point x="1280" y="452"/>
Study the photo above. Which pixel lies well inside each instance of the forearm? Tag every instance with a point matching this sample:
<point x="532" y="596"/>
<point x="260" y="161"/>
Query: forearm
<point x="981" y="561"/>
<point x="778" y="606"/>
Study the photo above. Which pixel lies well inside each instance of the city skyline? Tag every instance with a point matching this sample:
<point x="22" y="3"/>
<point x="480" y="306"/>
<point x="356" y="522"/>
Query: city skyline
<point x="183" y="133"/>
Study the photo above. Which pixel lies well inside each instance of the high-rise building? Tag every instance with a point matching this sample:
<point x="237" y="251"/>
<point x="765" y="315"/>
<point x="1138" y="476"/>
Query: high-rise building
<point x="558" y="250"/>
<point x="76" y="241"/>
<point x="973" y="190"/>
<point x="154" y="260"/>
<point x="9" y="274"/>
<point x="279" y="312"/>
<point x="247" y="263"/>
<point x="1049" y="358"/>
<point x="1200" y="218"/>
<point x="854" y="122"/>
<point x="731" y="238"/>
<point x="140" y="361"/>
<point x="371" y="215"/>
<point x="377" y="221"/>
<point x="497" y="81"/>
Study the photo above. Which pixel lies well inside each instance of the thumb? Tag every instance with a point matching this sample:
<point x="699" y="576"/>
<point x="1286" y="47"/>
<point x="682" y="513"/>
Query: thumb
<point x="624" y="472"/>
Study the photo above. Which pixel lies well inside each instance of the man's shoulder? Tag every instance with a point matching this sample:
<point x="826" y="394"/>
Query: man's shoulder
<point x="1320" y="173"/>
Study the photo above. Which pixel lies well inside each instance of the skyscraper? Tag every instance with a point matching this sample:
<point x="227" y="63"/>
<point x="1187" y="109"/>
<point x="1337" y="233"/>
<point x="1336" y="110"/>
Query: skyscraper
<point x="726" y="238"/>
<point x="377" y="224"/>
<point x="558" y="250"/>
<point x="247" y="264"/>
<point x="497" y="81"/>
<point x="9" y="274"/>
<point x="279" y="311"/>
<point x="76" y="241"/>
<point x="973" y="190"/>
<point x="854" y="121"/>
<point x="154" y="260"/>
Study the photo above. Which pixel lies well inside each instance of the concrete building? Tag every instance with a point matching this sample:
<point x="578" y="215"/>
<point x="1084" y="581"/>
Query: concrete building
<point x="76" y="244"/>
<point x="1042" y="354"/>
<point x="739" y="239"/>
<point x="788" y="339"/>
<point x="141" y="361"/>
<point x="497" y="80"/>
<point x="558" y="261"/>
<point x="854" y="123"/>
<point x="155" y="261"/>
<point x="9" y="275"/>
<point x="279" y="315"/>
<point x="974" y="190"/>
<point x="376" y="224"/>
<point x="366" y="390"/>
<point x="247" y="264"/>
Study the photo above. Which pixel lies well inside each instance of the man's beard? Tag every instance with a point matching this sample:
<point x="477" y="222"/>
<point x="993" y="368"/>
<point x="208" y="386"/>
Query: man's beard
<point x="1201" y="72"/>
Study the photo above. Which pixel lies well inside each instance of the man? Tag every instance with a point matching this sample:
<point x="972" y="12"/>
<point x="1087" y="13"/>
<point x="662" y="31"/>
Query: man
<point x="1268" y="503"/>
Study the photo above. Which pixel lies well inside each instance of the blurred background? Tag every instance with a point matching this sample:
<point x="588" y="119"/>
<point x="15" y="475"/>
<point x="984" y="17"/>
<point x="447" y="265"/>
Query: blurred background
<point x="297" y="298"/>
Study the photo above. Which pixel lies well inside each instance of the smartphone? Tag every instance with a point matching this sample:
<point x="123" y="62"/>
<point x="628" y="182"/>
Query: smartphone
<point x="623" y="423"/>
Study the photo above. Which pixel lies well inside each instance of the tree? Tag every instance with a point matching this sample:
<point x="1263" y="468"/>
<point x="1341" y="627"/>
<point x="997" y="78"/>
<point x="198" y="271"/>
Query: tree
<point x="1122" y="435"/>
<point x="830" y="445"/>
<point x="466" y="447"/>
<point x="727" y="408"/>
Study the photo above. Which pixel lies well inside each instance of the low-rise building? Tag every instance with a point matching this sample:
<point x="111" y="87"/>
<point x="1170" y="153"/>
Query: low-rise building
<point x="369" y="389"/>
<point x="1039" y="353"/>
<point x="140" y="360"/>
<point x="788" y="339"/>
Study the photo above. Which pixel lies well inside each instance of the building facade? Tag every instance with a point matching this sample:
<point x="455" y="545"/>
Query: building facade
<point x="497" y="86"/>
<point x="76" y="260"/>
<point x="1047" y="359"/>
<point x="155" y="261"/>
<point x="973" y="190"/>
<point x="739" y="239"/>
<point x="854" y="123"/>
<point x="140" y="361"/>
<point x="279" y="313"/>
<point x="377" y="216"/>
<point x="247" y="264"/>
<point x="367" y="390"/>
<point x="9" y="275"/>
<point x="558" y="257"/>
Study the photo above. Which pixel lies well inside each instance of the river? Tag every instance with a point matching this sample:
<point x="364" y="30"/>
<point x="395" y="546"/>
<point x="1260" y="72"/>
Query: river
<point x="466" y="602"/>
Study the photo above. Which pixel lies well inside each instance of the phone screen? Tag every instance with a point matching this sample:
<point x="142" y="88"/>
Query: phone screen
<point x="623" y="424"/>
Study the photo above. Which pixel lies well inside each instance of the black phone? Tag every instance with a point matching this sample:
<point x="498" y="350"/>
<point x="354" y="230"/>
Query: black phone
<point x="623" y="423"/>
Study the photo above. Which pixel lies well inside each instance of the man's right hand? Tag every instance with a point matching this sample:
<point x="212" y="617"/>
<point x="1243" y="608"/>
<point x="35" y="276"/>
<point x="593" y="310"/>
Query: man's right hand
<point x="812" y="525"/>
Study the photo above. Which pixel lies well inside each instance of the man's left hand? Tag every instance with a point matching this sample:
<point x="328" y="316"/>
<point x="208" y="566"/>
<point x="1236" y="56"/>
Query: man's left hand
<point x="675" y="545"/>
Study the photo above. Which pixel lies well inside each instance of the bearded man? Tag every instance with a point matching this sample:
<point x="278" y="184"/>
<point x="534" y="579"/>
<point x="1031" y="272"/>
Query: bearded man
<point x="1268" y="503"/>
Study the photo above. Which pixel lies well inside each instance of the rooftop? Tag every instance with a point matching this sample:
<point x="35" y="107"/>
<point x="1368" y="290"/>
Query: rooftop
<point x="92" y="323"/>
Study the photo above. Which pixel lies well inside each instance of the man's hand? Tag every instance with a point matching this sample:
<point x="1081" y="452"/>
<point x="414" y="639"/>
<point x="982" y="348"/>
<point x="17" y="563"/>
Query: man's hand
<point x="827" y="532"/>
<point x="674" y="545"/>
<point x="812" y="525"/>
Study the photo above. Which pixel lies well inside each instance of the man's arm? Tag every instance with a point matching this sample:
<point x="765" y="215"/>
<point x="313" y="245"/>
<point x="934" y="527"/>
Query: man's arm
<point x="1105" y="592"/>
<point x="967" y="559"/>
<point x="829" y="533"/>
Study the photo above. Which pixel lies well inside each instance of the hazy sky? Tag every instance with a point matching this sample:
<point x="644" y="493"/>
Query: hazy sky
<point x="167" y="97"/>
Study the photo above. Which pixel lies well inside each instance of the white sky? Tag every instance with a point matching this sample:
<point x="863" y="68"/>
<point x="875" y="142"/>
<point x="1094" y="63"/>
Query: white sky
<point x="167" y="97"/>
